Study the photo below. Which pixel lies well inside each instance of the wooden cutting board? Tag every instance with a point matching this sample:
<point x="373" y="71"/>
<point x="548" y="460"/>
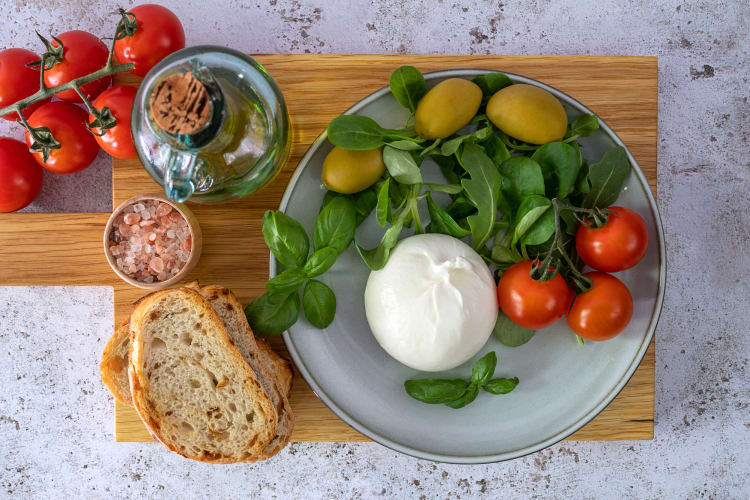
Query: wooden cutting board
<point x="65" y="249"/>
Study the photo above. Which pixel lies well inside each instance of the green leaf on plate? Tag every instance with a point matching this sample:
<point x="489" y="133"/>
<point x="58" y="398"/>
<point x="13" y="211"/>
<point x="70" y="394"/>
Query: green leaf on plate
<point x="319" y="303"/>
<point x="320" y="261"/>
<point x="559" y="164"/>
<point x="436" y="391"/>
<point x="286" y="238"/>
<point x="484" y="368"/>
<point x="509" y="333"/>
<point x="482" y="189"/>
<point x="287" y="281"/>
<point x="335" y="225"/>
<point x="401" y="166"/>
<point x="408" y="86"/>
<point x="442" y="222"/>
<point x="469" y="396"/>
<point x="273" y="313"/>
<point x="501" y="385"/>
<point x="606" y="178"/>
<point x="383" y="208"/>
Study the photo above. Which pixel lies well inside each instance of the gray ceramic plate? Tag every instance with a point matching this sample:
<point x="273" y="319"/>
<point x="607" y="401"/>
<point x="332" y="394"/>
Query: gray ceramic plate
<point x="562" y="385"/>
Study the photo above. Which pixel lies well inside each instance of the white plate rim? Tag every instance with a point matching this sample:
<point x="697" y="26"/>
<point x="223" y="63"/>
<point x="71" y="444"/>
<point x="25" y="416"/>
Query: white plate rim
<point x="602" y="404"/>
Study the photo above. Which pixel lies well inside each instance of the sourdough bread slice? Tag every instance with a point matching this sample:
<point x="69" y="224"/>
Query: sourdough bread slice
<point x="114" y="366"/>
<point x="281" y="367"/>
<point x="230" y="311"/>
<point x="191" y="387"/>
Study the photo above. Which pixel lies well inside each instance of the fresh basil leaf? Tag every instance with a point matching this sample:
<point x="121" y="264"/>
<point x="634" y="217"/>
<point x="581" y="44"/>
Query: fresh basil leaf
<point x="401" y="166"/>
<point x="584" y="126"/>
<point x="328" y="198"/>
<point x="383" y="208"/>
<point x="482" y="189"/>
<point x="533" y="224"/>
<point x="442" y="222"/>
<point x="521" y="177"/>
<point x="607" y="177"/>
<point x="509" y="333"/>
<point x="559" y="164"/>
<point x="287" y="281"/>
<point x="496" y="149"/>
<point x="501" y="385"/>
<point x="491" y="83"/>
<point x="505" y="255"/>
<point x="445" y="188"/>
<point x="356" y="132"/>
<point x="286" y="238"/>
<point x="436" y="391"/>
<point x="335" y="225"/>
<point x="377" y="257"/>
<point x="469" y="396"/>
<point x="405" y="145"/>
<point x="319" y="304"/>
<point x="320" y="261"/>
<point x="484" y="369"/>
<point x="273" y="313"/>
<point x="408" y="86"/>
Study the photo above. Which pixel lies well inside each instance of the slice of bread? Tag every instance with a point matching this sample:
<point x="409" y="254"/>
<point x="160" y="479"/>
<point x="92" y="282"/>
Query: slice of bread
<point x="190" y="385"/>
<point x="230" y="311"/>
<point x="281" y="367"/>
<point x="114" y="366"/>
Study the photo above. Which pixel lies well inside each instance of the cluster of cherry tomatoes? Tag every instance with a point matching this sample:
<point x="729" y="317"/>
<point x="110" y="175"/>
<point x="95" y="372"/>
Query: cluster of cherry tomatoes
<point x="159" y="33"/>
<point x="602" y="312"/>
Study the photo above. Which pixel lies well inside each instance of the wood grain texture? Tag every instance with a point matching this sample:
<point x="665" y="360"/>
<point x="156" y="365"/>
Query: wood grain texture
<point x="622" y="90"/>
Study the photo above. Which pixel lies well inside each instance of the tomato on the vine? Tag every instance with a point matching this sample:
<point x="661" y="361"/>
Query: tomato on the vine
<point x="20" y="175"/>
<point x="602" y="312"/>
<point x="530" y="303"/>
<point x="619" y="244"/>
<point x="159" y="33"/>
<point x="83" y="53"/>
<point x="117" y="141"/>
<point x="17" y="81"/>
<point x="67" y="122"/>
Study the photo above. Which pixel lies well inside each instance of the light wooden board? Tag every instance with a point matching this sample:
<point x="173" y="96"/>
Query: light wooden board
<point x="35" y="249"/>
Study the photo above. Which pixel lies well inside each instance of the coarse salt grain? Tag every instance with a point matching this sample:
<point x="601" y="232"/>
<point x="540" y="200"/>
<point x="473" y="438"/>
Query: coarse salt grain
<point x="150" y="240"/>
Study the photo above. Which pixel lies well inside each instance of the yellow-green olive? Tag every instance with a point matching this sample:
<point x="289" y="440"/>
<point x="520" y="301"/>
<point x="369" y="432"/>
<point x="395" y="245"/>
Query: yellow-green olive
<point x="447" y="108"/>
<point x="348" y="172"/>
<point x="528" y="113"/>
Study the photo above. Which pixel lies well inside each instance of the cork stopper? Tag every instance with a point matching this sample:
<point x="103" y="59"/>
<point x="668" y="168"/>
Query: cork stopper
<point x="179" y="104"/>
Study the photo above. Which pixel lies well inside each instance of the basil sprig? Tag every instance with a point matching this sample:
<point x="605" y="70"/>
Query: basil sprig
<point x="457" y="393"/>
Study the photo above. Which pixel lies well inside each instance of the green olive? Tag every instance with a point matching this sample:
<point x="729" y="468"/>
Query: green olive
<point x="348" y="172"/>
<point x="447" y="108"/>
<point x="528" y="113"/>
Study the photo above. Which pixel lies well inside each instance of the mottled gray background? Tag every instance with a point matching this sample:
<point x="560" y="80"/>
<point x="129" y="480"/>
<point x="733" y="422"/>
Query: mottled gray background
<point x="56" y="417"/>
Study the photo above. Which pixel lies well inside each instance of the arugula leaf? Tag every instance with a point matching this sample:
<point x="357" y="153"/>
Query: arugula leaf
<point x="482" y="189"/>
<point x="319" y="303"/>
<point x="401" y="166"/>
<point x="273" y="313"/>
<point x="501" y="385"/>
<point x="377" y="257"/>
<point x="484" y="368"/>
<point x="559" y="164"/>
<point x="445" y="188"/>
<point x="509" y="333"/>
<point x="584" y="126"/>
<point x="496" y="149"/>
<point x="505" y="255"/>
<point x="442" y="222"/>
<point x="287" y="281"/>
<point x="470" y="395"/>
<point x="408" y="86"/>
<point x="335" y="225"/>
<point x="436" y="391"/>
<point x="491" y="83"/>
<point x="320" y="261"/>
<point x="286" y="238"/>
<point x="521" y="177"/>
<point x="383" y="208"/>
<point x="606" y="178"/>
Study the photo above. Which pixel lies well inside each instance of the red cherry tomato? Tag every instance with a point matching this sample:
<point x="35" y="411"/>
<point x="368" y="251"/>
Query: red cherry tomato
<point x="619" y="244"/>
<point x="67" y="122"/>
<point x="117" y="141"/>
<point x="530" y="303"/>
<point x="83" y="53"/>
<point x="159" y="34"/>
<point x="20" y="175"/>
<point x="17" y="81"/>
<point x="602" y="312"/>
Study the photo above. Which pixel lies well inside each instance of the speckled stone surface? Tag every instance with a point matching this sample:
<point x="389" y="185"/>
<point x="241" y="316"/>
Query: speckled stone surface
<point x="56" y="417"/>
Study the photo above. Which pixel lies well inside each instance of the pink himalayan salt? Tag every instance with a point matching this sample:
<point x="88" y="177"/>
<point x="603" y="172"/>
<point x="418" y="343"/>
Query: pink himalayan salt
<point x="151" y="241"/>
